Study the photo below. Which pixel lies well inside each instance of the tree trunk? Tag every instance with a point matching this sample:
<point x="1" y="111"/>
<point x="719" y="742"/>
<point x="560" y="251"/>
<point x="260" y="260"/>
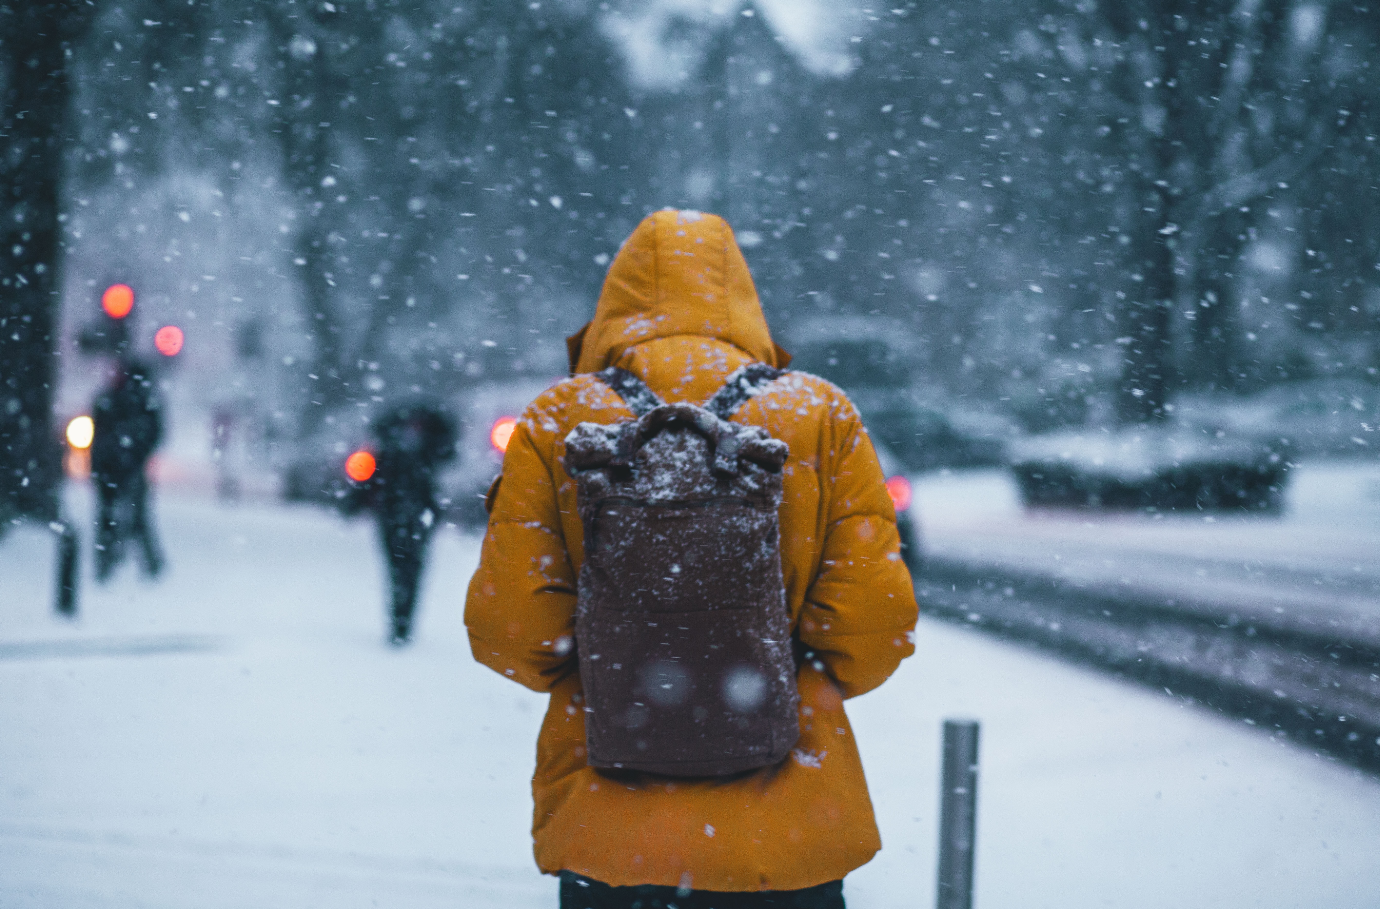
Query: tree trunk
<point x="1157" y="48"/>
<point x="306" y="148"/>
<point x="1214" y="348"/>
<point x="1144" y="386"/>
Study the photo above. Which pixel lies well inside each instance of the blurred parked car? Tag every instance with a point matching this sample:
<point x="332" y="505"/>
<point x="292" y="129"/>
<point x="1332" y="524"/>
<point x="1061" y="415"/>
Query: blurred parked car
<point x="870" y="360"/>
<point x="486" y="414"/>
<point x="923" y="438"/>
<point x="898" y="486"/>
<point x="315" y="471"/>
<point x="1164" y="467"/>
<point x="1329" y="416"/>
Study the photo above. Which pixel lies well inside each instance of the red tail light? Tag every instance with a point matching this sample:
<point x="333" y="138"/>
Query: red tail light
<point x="899" y="489"/>
<point x="502" y="433"/>
<point x="360" y="466"/>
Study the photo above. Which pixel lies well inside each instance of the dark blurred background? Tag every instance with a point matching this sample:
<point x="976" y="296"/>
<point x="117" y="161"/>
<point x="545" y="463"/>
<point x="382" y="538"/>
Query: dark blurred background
<point x="1062" y="213"/>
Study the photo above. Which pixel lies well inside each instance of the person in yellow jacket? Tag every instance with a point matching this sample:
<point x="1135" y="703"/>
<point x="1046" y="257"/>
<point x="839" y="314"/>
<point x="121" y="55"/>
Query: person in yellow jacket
<point x="679" y="310"/>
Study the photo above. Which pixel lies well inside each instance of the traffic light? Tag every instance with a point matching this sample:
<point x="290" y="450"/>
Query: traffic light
<point x="118" y="300"/>
<point x="110" y="332"/>
<point x="168" y="340"/>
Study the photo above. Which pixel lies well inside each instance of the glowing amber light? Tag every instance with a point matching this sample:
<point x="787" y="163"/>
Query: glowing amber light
<point x="502" y="432"/>
<point x="360" y="466"/>
<point x="168" y="340"/>
<point x="117" y="300"/>
<point x="898" y="487"/>
<point x="80" y="432"/>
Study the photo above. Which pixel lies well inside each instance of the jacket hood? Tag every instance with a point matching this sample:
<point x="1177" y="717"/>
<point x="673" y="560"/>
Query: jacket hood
<point x="680" y="273"/>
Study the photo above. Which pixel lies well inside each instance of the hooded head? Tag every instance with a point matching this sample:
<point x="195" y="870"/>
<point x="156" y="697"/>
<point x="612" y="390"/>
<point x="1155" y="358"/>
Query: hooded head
<point x="680" y="273"/>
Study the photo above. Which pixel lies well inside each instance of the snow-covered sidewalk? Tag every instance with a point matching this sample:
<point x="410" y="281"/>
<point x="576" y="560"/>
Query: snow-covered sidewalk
<point x="238" y="736"/>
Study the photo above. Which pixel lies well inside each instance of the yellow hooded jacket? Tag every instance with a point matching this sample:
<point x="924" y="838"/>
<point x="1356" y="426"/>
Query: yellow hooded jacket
<point x="679" y="310"/>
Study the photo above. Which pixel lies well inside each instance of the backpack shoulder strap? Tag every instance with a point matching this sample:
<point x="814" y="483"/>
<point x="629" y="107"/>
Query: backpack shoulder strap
<point x="640" y="399"/>
<point x="745" y="383"/>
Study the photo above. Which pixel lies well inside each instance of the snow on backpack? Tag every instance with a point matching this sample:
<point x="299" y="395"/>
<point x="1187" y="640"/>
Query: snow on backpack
<point x="681" y="624"/>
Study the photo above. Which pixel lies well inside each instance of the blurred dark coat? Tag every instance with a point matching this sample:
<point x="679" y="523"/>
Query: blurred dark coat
<point x="413" y="441"/>
<point x="128" y="418"/>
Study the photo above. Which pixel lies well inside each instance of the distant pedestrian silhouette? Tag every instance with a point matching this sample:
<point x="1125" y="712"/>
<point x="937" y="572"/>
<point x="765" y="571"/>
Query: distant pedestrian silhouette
<point x="413" y="441"/>
<point x="128" y="418"/>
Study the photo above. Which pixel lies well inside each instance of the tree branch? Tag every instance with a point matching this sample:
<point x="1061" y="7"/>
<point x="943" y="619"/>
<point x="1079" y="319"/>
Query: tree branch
<point x="1243" y="188"/>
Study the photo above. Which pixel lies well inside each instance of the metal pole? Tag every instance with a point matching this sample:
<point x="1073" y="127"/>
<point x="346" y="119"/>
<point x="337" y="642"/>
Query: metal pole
<point x="958" y="814"/>
<point x="67" y="551"/>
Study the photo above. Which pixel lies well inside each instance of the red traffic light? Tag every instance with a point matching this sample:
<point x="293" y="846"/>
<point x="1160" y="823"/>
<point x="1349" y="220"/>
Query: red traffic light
<point x="360" y="466"/>
<point x="168" y="340"/>
<point x="118" y="300"/>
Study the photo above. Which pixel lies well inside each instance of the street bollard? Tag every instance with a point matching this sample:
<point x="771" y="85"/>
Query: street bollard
<point x="958" y="814"/>
<point x="68" y="547"/>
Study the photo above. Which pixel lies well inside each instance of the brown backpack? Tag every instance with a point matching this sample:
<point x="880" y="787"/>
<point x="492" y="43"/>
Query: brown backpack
<point x="681" y="624"/>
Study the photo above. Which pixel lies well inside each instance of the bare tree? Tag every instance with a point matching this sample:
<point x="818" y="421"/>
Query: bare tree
<point x="1218" y="105"/>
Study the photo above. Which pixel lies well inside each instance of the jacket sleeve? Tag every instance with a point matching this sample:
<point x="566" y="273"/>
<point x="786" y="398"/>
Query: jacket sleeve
<point x="155" y="411"/>
<point x="520" y="609"/>
<point x="859" y="613"/>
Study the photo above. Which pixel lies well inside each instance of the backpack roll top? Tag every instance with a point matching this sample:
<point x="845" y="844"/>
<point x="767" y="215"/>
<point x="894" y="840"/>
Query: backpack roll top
<point x="682" y="630"/>
<point x="731" y="448"/>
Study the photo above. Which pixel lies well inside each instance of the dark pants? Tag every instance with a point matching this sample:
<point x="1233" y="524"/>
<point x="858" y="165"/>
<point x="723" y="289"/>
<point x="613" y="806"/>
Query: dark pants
<point x="404" y="547"/>
<point x="122" y="513"/>
<point x="578" y="892"/>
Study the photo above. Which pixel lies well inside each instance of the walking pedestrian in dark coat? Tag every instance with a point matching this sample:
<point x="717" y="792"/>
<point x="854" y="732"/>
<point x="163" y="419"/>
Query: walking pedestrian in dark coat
<point x="413" y="441"/>
<point x="128" y="424"/>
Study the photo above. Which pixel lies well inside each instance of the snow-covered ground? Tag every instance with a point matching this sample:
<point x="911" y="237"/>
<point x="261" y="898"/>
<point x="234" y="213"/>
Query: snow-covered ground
<point x="237" y="735"/>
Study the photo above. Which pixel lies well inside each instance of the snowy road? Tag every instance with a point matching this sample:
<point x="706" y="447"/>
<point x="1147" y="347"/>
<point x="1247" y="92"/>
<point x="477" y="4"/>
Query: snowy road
<point x="238" y="736"/>
<point x="1317" y="566"/>
<point x="1272" y="619"/>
